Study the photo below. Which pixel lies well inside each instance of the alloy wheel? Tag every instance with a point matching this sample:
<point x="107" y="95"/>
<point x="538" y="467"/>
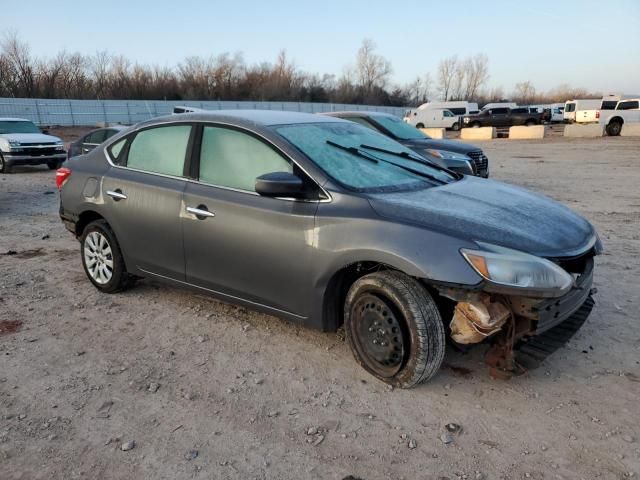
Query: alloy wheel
<point x="98" y="257"/>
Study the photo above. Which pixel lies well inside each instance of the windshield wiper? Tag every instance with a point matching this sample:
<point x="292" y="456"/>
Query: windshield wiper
<point x="406" y="155"/>
<point x="354" y="151"/>
<point x="374" y="159"/>
<point x="409" y="156"/>
<point x="413" y="158"/>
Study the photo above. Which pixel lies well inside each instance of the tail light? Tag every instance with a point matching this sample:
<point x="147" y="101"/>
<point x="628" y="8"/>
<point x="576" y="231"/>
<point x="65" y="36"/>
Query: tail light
<point x="598" y="114"/>
<point x="62" y="175"/>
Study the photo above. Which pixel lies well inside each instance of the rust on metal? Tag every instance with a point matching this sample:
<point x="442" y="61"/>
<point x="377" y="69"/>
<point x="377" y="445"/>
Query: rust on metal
<point x="9" y="326"/>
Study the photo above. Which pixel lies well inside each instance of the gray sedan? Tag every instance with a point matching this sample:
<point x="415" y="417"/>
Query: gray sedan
<point x="327" y="223"/>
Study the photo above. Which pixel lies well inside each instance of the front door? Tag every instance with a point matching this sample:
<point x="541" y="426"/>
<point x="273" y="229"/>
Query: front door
<point x="143" y="197"/>
<point x="237" y="242"/>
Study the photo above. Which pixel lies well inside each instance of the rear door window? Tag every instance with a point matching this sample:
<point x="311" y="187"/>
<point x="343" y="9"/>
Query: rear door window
<point x="234" y="159"/>
<point x="630" y="105"/>
<point x="159" y="150"/>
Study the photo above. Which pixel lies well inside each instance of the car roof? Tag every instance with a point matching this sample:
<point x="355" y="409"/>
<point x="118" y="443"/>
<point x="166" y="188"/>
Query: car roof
<point x="357" y="113"/>
<point x="12" y="119"/>
<point x="243" y="117"/>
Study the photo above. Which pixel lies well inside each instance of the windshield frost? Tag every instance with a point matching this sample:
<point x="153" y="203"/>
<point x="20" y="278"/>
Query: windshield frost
<point x="400" y="129"/>
<point x="352" y="171"/>
<point x="13" y="126"/>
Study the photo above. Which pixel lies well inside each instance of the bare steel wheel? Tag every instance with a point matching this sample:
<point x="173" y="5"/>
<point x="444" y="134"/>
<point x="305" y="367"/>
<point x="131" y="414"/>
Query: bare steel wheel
<point x="380" y="337"/>
<point x="98" y="257"/>
<point x="394" y="328"/>
<point x="102" y="259"/>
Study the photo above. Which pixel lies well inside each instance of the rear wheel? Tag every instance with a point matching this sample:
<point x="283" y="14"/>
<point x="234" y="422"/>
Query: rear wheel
<point x="54" y="165"/>
<point x="102" y="259"/>
<point x="394" y="328"/>
<point x="614" y="128"/>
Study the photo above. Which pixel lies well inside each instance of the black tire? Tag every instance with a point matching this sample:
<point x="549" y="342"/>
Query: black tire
<point x="614" y="129"/>
<point x="54" y="165"/>
<point x="4" y="168"/>
<point x="119" y="279"/>
<point x="455" y="127"/>
<point x="413" y="328"/>
<point x="530" y="123"/>
<point x="475" y="125"/>
<point x="420" y="125"/>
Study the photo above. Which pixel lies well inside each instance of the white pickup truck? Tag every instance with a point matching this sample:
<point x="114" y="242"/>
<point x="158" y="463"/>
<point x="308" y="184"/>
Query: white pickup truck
<point x="22" y="143"/>
<point x="627" y="110"/>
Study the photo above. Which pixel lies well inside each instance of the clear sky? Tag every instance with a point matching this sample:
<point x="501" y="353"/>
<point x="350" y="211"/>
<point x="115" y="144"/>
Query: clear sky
<point x="591" y="44"/>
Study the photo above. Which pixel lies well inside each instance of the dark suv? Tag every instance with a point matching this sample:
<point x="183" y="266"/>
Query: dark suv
<point x="328" y="223"/>
<point x="458" y="156"/>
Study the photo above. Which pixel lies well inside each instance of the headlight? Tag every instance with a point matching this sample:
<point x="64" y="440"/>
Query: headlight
<point x="503" y="267"/>
<point x="465" y="119"/>
<point x="445" y="155"/>
<point x="14" y="143"/>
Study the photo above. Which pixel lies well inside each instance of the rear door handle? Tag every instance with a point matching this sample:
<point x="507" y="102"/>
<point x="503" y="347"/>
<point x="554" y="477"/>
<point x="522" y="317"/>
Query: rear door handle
<point x="117" y="194"/>
<point x="200" y="212"/>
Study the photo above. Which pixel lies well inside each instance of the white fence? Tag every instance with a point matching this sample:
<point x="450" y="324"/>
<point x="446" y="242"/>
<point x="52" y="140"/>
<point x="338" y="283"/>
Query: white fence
<point x="90" y="112"/>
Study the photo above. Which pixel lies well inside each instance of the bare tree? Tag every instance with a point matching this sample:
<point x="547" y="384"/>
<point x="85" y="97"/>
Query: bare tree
<point x="20" y="68"/>
<point x="420" y="90"/>
<point x="372" y="70"/>
<point x="476" y="74"/>
<point x="447" y="69"/>
<point x="524" y="92"/>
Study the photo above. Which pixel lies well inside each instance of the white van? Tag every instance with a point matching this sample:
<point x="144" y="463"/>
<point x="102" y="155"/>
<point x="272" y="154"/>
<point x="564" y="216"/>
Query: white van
<point x="489" y="106"/>
<point x="419" y="117"/>
<point x="572" y="106"/>
<point x="440" y="118"/>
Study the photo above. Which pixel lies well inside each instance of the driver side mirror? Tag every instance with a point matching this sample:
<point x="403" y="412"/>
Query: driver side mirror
<point x="280" y="184"/>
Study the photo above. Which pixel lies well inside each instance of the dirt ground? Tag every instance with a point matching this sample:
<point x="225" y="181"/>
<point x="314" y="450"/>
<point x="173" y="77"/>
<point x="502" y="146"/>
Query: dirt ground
<point x="202" y="389"/>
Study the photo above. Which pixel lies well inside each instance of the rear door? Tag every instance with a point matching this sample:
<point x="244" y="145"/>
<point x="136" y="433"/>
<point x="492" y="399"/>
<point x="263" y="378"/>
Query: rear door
<point x="143" y="197"/>
<point x="241" y="244"/>
<point x="500" y="117"/>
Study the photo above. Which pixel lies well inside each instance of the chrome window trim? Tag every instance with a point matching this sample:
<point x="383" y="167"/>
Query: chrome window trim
<point x="108" y="144"/>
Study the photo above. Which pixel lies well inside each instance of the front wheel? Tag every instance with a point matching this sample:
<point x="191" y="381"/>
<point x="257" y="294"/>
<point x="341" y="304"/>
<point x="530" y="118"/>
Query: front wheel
<point x="475" y="125"/>
<point x="4" y="167"/>
<point x="102" y="259"/>
<point x="614" y="128"/>
<point x="394" y="328"/>
<point x="420" y="125"/>
<point x="455" y="127"/>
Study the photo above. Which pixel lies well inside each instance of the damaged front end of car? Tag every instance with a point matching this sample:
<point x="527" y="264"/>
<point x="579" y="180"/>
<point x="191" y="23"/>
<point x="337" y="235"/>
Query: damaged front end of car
<point x="526" y="307"/>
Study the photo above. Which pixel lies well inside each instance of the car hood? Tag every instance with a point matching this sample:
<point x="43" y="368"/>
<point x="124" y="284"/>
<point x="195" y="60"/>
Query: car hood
<point x="448" y="145"/>
<point x="493" y="212"/>
<point x="30" y="137"/>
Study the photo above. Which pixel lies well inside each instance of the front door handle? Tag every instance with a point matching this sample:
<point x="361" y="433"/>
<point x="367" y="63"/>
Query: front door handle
<point x="117" y="195"/>
<point x="200" y="212"/>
